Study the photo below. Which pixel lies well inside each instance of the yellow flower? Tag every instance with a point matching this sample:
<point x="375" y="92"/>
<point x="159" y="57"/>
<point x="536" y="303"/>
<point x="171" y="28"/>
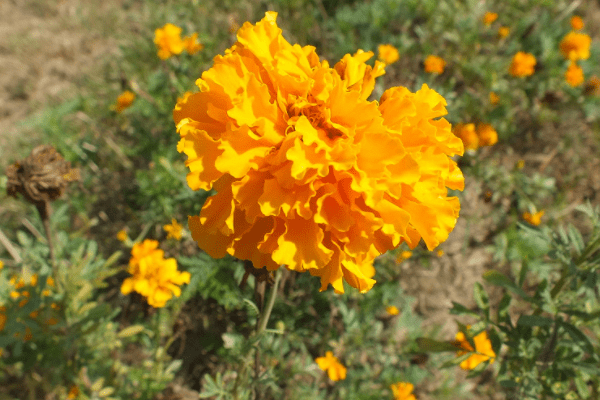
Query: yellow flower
<point x="168" y="40"/>
<point x="483" y="350"/>
<point x="503" y="31"/>
<point x="520" y="164"/>
<point x="191" y="45"/>
<point x="308" y="172"/>
<point x="46" y="292"/>
<point x="489" y="17"/>
<point x="1" y="264"/>
<point x="73" y="393"/>
<point x="153" y="276"/>
<point x="173" y="230"/>
<point x="122" y="235"/>
<point x="577" y="23"/>
<point x="331" y="364"/>
<point x="55" y="306"/>
<point x="392" y="310"/>
<point x="468" y="135"/>
<point x="14" y="294"/>
<point x="574" y="75"/>
<point x="575" y="46"/>
<point x="487" y="135"/>
<point x="494" y="98"/>
<point x="387" y="53"/>
<point x="535" y="218"/>
<point x="523" y="64"/>
<point x="403" y="391"/>
<point x="124" y="100"/>
<point x="33" y="280"/>
<point x="50" y="281"/>
<point x="405" y="255"/>
<point x="28" y="336"/>
<point x="440" y="253"/>
<point x="434" y="64"/>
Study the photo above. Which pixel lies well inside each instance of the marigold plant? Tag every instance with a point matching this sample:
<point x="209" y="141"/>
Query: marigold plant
<point x="574" y="75"/>
<point x="153" y="276"/>
<point x="575" y="46"/>
<point x="468" y="135"/>
<point x="523" y="64"/>
<point x="483" y="350"/>
<point x="403" y="391"/>
<point x="489" y="18"/>
<point x="124" y="101"/>
<point x="387" y="53"/>
<point x="191" y="44"/>
<point x="174" y="230"/>
<point x="335" y="370"/>
<point x="503" y="31"/>
<point x="534" y="219"/>
<point x="168" y="40"/>
<point x="434" y="64"/>
<point x="309" y="173"/>
<point x="487" y="135"/>
<point x="392" y="310"/>
<point x="577" y="23"/>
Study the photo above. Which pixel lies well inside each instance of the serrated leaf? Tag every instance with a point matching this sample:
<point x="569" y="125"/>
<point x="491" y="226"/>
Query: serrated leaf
<point x="576" y="239"/>
<point x="499" y="279"/>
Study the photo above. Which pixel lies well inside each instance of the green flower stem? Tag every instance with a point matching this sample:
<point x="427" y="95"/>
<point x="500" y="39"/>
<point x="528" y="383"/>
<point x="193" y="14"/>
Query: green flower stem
<point x="264" y="319"/>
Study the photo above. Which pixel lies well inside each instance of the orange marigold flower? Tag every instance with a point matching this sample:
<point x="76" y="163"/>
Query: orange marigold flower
<point x="468" y="135"/>
<point x="387" y="53"/>
<point x="124" y="100"/>
<point x="154" y="277"/>
<point x="489" y="18"/>
<point x="523" y="64"/>
<point x="331" y="364"/>
<point x="3" y="318"/>
<point x="535" y="218"/>
<point x="33" y="280"/>
<point x="575" y="46"/>
<point x="403" y="391"/>
<point x="191" y="44"/>
<point x="405" y="255"/>
<point x="577" y="23"/>
<point x="487" y="135"/>
<point x="309" y="173"/>
<point x="392" y="310"/>
<point x="50" y="281"/>
<point x="1" y="264"/>
<point x="503" y="31"/>
<point x="483" y="350"/>
<point x="122" y="235"/>
<point x="434" y="64"/>
<point x="46" y="292"/>
<point x="440" y="253"/>
<point x="174" y="230"/>
<point x="168" y="40"/>
<point x="14" y="294"/>
<point x="73" y="393"/>
<point x="574" y="75"/>
<point x="494" y="98"/>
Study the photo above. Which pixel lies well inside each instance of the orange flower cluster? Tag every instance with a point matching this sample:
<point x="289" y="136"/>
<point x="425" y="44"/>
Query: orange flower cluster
<point x="174" y="230"/>
<point x="332" y="365"/>
<point x="489" y="18"/>
<point x="310" y="174"/>
<point x="534" y="219"/>
<point x="575" y="46"/>
<point x="483" y="350"/>
<point x="124" y="101"/>
<point x="574" y="75"/>
<point x="503" y="31"/>
<point x="523" y="64"/>
<point x="434" y="64"/>
<point x="154" y="277"/>
<point x="169" y="42"/>
<point x="494" y="98"/>
<point x="484" y="135"/>
<point x="577" y="23"/>
<point x="403" y="391"/>
<point x="387" y="53"/>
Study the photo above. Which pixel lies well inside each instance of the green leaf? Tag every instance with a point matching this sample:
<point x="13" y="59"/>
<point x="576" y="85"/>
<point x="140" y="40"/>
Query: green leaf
<point x="534" y="320"/>
<point x="435" y="346"/>
<point x="508" y="383"/>
<point x="481" y="298"/>
<point x="499" y="279"/>
<point x="578" y="336"/>
<point x="503" y="309"/>
<point x="459" y="309"/>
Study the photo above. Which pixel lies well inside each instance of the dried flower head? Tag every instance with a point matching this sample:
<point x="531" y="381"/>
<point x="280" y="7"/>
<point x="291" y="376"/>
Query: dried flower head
<point x="574" y="75"/>
<point x="308" y="173"/>
<point x="483" y="350"/>
<point x="332" y="365"/>
<point x="575" y="46"/>
<point x="387" y="53"/>
<point x="434" y="64"/>
<point x="489" y="18"/>
<point x="403" y="391"/>
<point x="577" y="23"/>
<point x="523" y="64"/>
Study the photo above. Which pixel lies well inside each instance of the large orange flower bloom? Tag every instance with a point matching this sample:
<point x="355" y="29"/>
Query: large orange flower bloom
<point x="308" y="172"/>
<point x="523" y="64"/>
<point x="575" y="46"/>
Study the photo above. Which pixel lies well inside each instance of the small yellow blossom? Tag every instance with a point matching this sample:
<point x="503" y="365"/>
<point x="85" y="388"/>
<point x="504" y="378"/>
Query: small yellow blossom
<point x="50" y="281"/>
<point x="494" y="98"/>
<point x="434" y="64"/>
<point x="574" y="75"/>
<point x="523" y="64"/>
<point x="1" y="264"/>
<point x="331" y="364"/>
<point x="14" y="294"/>
<point x="191" y="44"/>
<point x="487" y="135"/>
<point x="55" y="306"/>
<point x="23" y="302"/>
<point x="392" y="310"/>
<point x="440" y="253"/>
<point x="28" y="336"/>
<point x="503" y="31"/>
<point x="73" y="393"/>
<point x="489" y="18"/>
<point x="468" y="135"/>
<point x="403" y="391"/>
<point x="388" y="53"/>
<point x="33" y="280"/>
<point x="124" y="100"/>
<point x="122" y="235"/>
<point x="520" y="164"/>
<point x="20" y="283"/>
<point x="46" y="292"/>
<point x="405" y="255"/>
<point x="483" y="350"/>
<point x="535" y="218"/>
<point x="577" y="23"/>
<point x="575" y="46"/>
<point x="174" y="230"/>
<point x="168" y="40"/>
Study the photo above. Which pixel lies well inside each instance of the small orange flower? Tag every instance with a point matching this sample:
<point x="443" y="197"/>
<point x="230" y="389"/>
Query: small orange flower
<point x="33" y="280"/>
<point x="494" y="98"/>
<point x="50" y="281"/>
<point x="489" y="18"/>
<point x="487" y="135"/>
<point x="434" y="64"/>
<point x="483" y="350"/>
<point x="574" y="75"/>
<point x="388" y="53"/>
<point x="168" y="40"/>
<point x="124" y="101"/>
<point x="523" y="64"/>
<point x="405" y="255"/>
<point x="576" y="46"/>
<point x="331" y="364"/>
<point x="174" y="230"/>
<point x="1" y="264"/>
<point x="468" y="135"/>
<point x="535" y="218"/>
<point x="440" y="253"/>
<point x="122" y="235"/>
<point x="73" y="393"/>
<point x="577" y="23"/>
<point x="392" y="310"/>
<point x="503" y="31"/>
<point x="191" y="44"/>
<point x="403" y="391"/>
<point x="520" y="164"/>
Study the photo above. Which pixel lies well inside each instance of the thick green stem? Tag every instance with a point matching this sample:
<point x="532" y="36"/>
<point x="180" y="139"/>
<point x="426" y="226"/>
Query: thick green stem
<point x="264" y="319"/>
